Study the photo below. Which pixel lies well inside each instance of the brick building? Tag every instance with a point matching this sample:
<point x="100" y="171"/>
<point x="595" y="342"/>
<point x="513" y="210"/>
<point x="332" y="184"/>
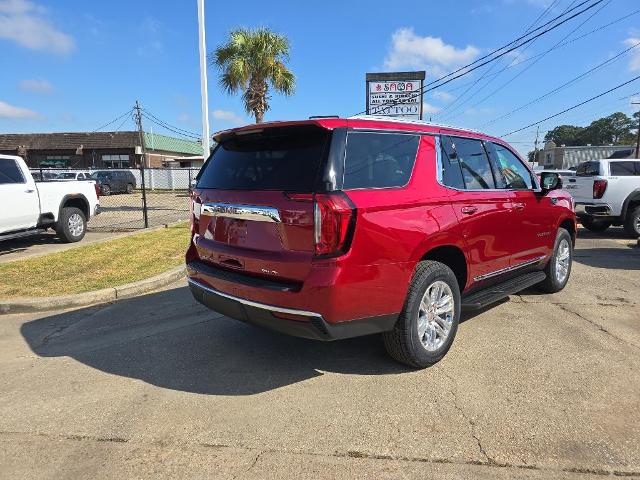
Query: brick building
<point x="96" y="150"/>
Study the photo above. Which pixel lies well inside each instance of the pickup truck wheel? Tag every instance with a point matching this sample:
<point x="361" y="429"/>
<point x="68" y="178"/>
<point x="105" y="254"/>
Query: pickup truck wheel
<point x="72" y="225"/>
<point x="106" y="190"/>
<point x="632" y="222"/>
<point x="595" y="225"/>
<point x="558" y="267"/>
<point x="129" y="188"/>
<point x="429" y="320"/>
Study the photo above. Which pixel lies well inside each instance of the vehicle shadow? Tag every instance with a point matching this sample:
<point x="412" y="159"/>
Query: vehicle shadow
<point x="611" y="233"/>
<point x="611" y="258"/>
<point x="21" y="244"/>
<point x="167" y="339"/>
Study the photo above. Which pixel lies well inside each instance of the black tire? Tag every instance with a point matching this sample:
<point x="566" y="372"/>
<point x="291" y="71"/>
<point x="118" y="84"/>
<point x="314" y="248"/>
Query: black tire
<point x="632" y="222"/>
<point x="403" y="342"/>
<point x="72" y="225"/>
<point x="129" y="188"/>
<point x="554" y="283"/>
<point x="595" y="225"/>
<point x="105" y="189"/>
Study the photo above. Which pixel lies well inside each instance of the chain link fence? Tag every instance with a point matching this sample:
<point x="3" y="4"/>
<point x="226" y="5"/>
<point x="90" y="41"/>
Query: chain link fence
<point x="132" y="199"/>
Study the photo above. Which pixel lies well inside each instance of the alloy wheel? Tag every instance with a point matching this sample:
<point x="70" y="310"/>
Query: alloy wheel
<point x="435" y="315"/>
<point x="76" y="225"/>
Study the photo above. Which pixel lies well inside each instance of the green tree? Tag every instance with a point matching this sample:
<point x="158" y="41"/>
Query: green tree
<point x="564" y="135"/>
<point x="252" y="61"/>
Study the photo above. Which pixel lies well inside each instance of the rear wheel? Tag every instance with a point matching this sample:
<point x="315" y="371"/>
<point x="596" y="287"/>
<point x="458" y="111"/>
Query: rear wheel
<point x="558" y="268"/>
<point x="129" y="188"/>
<point x="429" y="320"/>
<point x="72" y="225"/>
<point x="595" y="225"/>
<point x="632" y="222"/>
<point x="105" y="189"/>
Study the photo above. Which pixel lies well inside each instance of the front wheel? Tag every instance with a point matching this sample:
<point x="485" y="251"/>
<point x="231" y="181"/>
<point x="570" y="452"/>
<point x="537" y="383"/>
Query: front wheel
<point x="72" y="225"/>
<point x="129" y="188"/>
<point x="429" y="320"/>
<point x="558" y="267"/>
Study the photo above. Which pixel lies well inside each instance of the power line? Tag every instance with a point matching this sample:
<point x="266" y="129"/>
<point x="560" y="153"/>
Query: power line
<point x="566" y="84"/>
<point x="162" y="123"/>
<point x="466" y="70"/>
<point x="114" y="120"/>
<point x="489" y="70"/>
<point x="516" y="76"/>
<point x="574" y="106"/>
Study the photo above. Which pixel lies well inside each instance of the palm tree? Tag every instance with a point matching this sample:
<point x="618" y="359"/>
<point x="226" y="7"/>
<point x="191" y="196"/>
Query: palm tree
<point x="251" y="61"/>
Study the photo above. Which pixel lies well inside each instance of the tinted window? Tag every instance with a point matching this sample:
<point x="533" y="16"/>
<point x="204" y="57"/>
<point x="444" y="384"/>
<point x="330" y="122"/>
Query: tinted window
<point x="9" y="172"/>
<point x="515" y="174"/>
<point x="379" y="160"/>
<point x="287" y="158"/>
<point x="474" y="163"/>
<point x="451" y="170"/>
<point x="588" y="169"/>
<point x="624" y="169"/>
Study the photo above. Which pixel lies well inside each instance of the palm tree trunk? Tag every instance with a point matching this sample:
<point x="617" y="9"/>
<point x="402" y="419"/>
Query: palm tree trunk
<point x="257" y="98"/>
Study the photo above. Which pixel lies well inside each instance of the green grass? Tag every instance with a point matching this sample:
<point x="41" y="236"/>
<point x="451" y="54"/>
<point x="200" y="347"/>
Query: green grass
<point x="93" y="267"/>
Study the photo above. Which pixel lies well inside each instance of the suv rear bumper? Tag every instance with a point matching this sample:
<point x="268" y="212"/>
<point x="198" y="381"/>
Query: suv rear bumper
<point x="593" y="210"/>
<point x="310" y="324"/>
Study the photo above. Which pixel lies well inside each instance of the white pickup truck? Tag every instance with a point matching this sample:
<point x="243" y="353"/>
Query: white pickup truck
<point x="28" y="207"/>
<point x="607" y="192"/>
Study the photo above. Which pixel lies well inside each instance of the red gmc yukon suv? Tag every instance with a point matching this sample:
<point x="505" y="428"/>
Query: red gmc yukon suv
<point x="332" y="228"/>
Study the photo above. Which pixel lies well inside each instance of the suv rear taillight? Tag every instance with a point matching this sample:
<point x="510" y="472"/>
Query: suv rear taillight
<point x="334" y="221"/>
<point x="599" y="187"/>
<point x="97" y="187"/>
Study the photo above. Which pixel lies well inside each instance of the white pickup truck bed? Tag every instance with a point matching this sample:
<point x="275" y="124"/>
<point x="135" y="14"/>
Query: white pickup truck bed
<point x="607" y="192"/>
<point x="27" y="206"/>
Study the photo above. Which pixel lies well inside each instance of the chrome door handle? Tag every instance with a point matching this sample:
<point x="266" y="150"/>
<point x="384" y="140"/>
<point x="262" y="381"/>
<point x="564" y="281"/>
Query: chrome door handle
<point x="518" y="206"/>
<point x="469" y="210"/>
<point x="29" y="190"/>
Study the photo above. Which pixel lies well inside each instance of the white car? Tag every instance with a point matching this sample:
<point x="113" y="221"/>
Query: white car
<point x="607" y="192"/>
<point x="66" y="176"/>
<point x="30" y="207"/>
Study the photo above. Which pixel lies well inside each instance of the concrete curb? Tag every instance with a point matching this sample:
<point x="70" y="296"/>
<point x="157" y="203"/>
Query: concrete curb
<point x="25" y="305"/>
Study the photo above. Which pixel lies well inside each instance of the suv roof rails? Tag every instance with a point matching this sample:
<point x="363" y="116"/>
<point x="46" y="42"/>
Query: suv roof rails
<point x="411" y="121"/>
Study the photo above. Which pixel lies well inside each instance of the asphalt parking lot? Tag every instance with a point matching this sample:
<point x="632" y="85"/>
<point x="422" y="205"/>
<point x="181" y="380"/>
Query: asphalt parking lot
<point x="156" y="387"/>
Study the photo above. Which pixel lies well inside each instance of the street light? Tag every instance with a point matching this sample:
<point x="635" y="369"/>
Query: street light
<point x="203" y="80"/>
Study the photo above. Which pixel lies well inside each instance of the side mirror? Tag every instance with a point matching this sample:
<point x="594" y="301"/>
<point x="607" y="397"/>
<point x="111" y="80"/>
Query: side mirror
<point x="550" y="181"/>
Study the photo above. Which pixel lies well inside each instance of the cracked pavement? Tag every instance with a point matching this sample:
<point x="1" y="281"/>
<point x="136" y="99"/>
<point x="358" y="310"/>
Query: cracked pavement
<point x="539" y="387"/>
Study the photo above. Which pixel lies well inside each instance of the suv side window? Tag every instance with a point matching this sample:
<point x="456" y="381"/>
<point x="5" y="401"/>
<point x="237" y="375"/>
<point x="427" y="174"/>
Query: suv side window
<point x="624" y="169"/>
<point x="451" y="169"/>
<point x="515" y="174"/>
<point x="10" y="173"/>
<point x="474" y="162"/>
<point x="379" y="160"/>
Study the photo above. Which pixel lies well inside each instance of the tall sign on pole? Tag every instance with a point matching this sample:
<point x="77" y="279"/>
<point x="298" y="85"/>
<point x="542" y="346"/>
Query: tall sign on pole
<point x="395" y="94"/>
<point x="203" y="80"/>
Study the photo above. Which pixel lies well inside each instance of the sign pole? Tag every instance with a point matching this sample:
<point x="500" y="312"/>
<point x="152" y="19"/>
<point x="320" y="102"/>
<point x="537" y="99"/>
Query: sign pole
<point x="203" y="80"/>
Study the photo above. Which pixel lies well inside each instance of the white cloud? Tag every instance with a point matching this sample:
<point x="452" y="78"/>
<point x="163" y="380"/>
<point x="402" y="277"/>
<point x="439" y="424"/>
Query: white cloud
<point x="442" y="96"/>
<point x="13" y="112"/>
<point x="634" y="63"/>
<point x="25" y="23"/>
<point x="427" y="108"/>
<point x="36" y="86"/>
<point x="409" y="50"/>
<point x="230" y="118"/>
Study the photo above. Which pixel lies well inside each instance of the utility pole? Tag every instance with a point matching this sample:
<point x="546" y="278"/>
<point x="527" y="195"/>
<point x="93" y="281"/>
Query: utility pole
<point x="203" y="80"/>
<point x="138" y="117"/>
<point x="638" y="137"/>
<point x="535" y="146"/>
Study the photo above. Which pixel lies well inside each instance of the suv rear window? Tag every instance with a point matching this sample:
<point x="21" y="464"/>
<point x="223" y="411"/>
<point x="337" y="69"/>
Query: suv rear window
<point x="379" y="160"/>
<point x="588" y="169"/>
<point x="280" y="158"/>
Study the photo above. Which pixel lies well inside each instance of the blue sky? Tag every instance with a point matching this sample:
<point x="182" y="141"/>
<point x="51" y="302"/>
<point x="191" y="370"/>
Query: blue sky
<point x="72" y="65"/>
